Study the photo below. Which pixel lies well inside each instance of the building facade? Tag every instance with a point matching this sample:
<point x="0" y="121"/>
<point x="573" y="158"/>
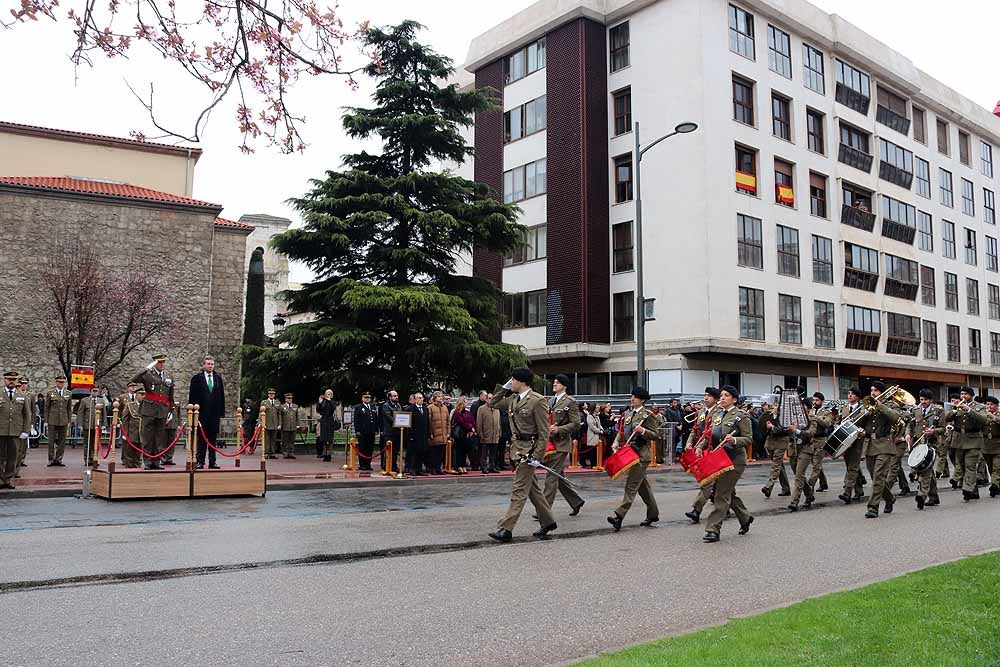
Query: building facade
<point x="275" y="266"/>
<point x="833" y="220"/>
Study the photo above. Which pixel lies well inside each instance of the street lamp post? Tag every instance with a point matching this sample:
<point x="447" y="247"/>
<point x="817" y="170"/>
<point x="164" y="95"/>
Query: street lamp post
<point x="640" y="297"/>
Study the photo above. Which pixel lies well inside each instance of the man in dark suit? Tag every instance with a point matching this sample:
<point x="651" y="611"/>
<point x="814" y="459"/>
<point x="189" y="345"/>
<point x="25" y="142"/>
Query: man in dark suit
<point x="366" y="425"/>
<point x="208" y="391"/>
<point x="419" y="435"/>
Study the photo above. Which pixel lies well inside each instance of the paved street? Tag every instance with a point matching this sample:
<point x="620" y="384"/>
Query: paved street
<point x="407" y="576"/>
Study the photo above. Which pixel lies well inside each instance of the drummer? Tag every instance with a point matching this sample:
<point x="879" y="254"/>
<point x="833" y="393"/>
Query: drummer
<point x="991" y="444"/>
<point x="702" y="434"/>
<point x="638" y="426"/>
<point x="732" y="430"/>
<point x="926" y="424"/>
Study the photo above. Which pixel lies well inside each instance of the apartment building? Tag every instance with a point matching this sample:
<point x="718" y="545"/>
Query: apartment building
<point x="833" y="220"/>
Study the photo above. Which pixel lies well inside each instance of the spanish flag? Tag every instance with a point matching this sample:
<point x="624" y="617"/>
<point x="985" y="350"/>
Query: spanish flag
<point x="81" y="377"/>
<point x="746" y="182"/>
<point x="785" y="194"/>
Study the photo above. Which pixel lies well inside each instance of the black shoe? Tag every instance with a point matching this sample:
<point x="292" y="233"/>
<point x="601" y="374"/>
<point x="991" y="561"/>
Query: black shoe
<point x="214" y="466"/>
<point x="888" y="507"/>
<point x="766" y="491"/>
<point x="975" y="494"/>
<point x="292" y="456"/>
<point x="937" y="475"/>
<point x="542" y="532"/>
<point x="954" y="483"/>
<point x="824" y="487"/>
<point x="502" y="535"/>
<point x="6" y="486"/>
<point x="51" y="465"/>
<point x="649" y="521"/>
<point x="994" y="490"/>
<point x="576" y="510"/>
<point x="169" y="463"/>
<point x="270" y="456"/>
<point x="932" y="501"/>
<point x="859" y="495"/>
<point x="920" y="502"/>
<point x="809" y="502"/>
<point x="846" y="498"/>
<point x="710" y="538"/>
<point x="616" y="522"/>
<point x="913" y="476"/>
<point x="792" y="507"/>
<point x="871" y="514"/>
<point x="17" y="475"/>
<point x="693" y="515"/>
<point x="745" y="527"/>
<point x="904" y="492"/>
<point x="200" y="466"/>
<point x="785" y="493"/>
<point x="156" y="467"/>
<point x="327" y="459"/>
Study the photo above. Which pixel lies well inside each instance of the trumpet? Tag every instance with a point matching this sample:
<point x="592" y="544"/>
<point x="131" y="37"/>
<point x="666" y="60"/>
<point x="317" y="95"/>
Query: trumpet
<point x="692" y="416"/>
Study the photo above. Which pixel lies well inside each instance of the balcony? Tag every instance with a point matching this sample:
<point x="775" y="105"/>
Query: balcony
<point x="858" y="279"/>
<point x="902" y="345"/>
<point x="852" y="157"/>
<point x="855" y="217"/>
<point x="862" y="340"/>
<point x="893" y="120"/>
<point x="893" y="174"/>
<point x="901" y="290"/>
<point x="898" y="232"/>
<point x="852" y="99"/>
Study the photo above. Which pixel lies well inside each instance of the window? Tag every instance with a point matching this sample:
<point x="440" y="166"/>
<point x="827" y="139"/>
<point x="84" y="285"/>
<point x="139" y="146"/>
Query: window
<point x="624" y="316"/>
<point x="749" y="242"/>
<point x="986" y="159"/>
<point x="950" y="291"/>
<point x="526" y="61"/>
<point x="742" y="100"/>
<point x="947" y="194"/>
<point x="975" y="347"/>
<point x="891" y="111"/>
<point x="860" y="267"/>
<point x="857" y="208"/>
<point x="972" y="296"/>
<point x="854" y="148"/>
<point x="971" y="256"/>
<point x="524" y="310"/>
<point x="814" y="131"/>
<point x="812" y="61"/>
<point x="896" y="165"/>
<point x="623" y="178"/>
<point x="751" y="313"/>
<point x="994" y="349"/>
<point x="525" y="181"/>
<point x="944" y="147"/>
<point x="823" y="316"/>
<point x="925" y="231"/>
<point x="923" y="174"/>
<point x="822" y="260"/>
<point x="853" y="88"/>
<point x="930" y="340"/>
<point x="864" y="327"/>
<point x="533" y="247"/>
<point x="779" y="52"/>
<point x="989" y="207"/>
<point x="899" y="220"/>
<point x="781" y="117"/>
<point x="903" y="334"/>
<point x="741" y="32"/>
<point x="948" y="238"/>
<point x="622" y="244"/>
<point x="790" y="319"/>
<point x="963" y="148"/>
<point x="746" y="170"/>
<point x="817" y="194"/>
<point x="954" y="344"/>
<point x="919" y="126"/>
<point x="993" y="300"/>
<point x="619" y="40"/>
<point x="901" y="277"/>
<point x="784" y="191"/>
<point x="968" y="198"/>
<point x="928" y="292"/>
<point x="524" y="120"/>
<point x="991" y="254"/>
<point x="623" y="110"/>
<point x="788" y="251"/>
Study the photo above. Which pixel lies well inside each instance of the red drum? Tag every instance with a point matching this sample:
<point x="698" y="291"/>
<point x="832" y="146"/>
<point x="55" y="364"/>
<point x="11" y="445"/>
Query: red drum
<point x="688" y="459"/>
<point x="620" y="462"/>
<point x="710" y="466"/>
<point x="550" y="449"/>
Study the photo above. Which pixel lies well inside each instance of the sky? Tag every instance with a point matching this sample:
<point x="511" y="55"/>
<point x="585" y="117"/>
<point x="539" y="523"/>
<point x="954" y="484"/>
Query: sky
<point x="954" y="42"/>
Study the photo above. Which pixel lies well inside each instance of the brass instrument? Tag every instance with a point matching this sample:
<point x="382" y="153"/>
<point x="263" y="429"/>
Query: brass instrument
<point x="692" y="416"/>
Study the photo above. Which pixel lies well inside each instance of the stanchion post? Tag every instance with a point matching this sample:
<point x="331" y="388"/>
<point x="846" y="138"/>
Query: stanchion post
<point x="402" y="453"/>
<point x="262" y="434"/>
<point x="239" y="435"/>
<point x="448" y="457"/>
<point x="574" y="457"/>
<point x="194" y="437"/>
<point x="111" y="435"/>
<point x="187" y="448"/>
<point x="600" y="454"/>
<point x="96" y="439"/>
<point x="388" y="458"/>
<point x="655" y="462"/>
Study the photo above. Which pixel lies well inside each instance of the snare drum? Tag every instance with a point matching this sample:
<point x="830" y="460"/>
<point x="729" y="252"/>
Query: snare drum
<point x="921" y="458"/>
<point x="711" y="465"/>
<point x="621" y="462"/>
<point x="841" y="439"/>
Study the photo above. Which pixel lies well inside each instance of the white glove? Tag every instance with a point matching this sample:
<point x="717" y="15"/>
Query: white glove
<point x="151" y="364"/>
<point x="24" y="436"/>
<point x="510" y="385"/>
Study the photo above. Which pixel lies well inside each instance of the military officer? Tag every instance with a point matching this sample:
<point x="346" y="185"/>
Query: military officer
<point x="991" y="444"/>
<point x="58" y="415"/>
<point x="702" y="434"/>
<point x="22" y="445"/>
<point x="967" y="422"/>
<point x="128" y="415"/>
<point x="154" y="408"/>
<point x="639" y="427"/>
<point x="778" y="444"/>
<point x="805" y="435"/>
<point x="170" y="427"/>
<point x="87" y="409"/>
<point x="564" y="415"/>
<point x="15" y="423"/>
<point x="926" y="424"/>
<point x="272" y="424"/>
<point x="880" y="450"/>
<point x="289" y="425"/>
<point x="825" y="421"/>
<point x="853" y="480"/>
<point x="735" y="434"/>
<point x="529" y="424"/>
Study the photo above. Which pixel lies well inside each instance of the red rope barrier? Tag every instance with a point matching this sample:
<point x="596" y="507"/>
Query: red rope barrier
<point x="369" y="458"/>
<point x="100" y="450"/>
<point x="253" y="441"/>
<point x="153" y="456"/>
<point x="204" y="438"/>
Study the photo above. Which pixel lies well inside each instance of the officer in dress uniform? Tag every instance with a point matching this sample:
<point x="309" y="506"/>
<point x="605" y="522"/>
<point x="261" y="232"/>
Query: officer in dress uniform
<point x="991" y="444"/>
<point x="825" y="419"/>
<point x="967" y="422"/>
<point x="807" y="443"/>
<point x="926" y="423"/>
<point x="735" y="434"/>
<point x="529" y="424"/>
<point x="366" y="425"/>
<point x="171" y="426"/>
<point x="86" y="409"/>
<point x="15" y="424"/>
<point x="702" y="433"/>
<point x="564" y="413"/>
<point x="639" y="427"/>
<point x="272" y="424"/>
<point x="155" y="406"/>
<point x="58" y="415"/>
<point x="128" y="415"/>
<point x="289" y="425"/>
<point x="880" y="451"/>
<point x="22" y="445"/>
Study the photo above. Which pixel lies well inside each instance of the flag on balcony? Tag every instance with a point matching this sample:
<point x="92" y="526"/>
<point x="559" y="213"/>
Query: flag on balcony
<point x="785" y="194"/>
<point x="746" y="182"/>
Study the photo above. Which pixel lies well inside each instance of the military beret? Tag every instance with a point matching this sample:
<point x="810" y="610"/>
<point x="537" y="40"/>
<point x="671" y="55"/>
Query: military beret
<point x="562" y="379"/>
<point x="968" y="390"/>
<point x="855" y="389"/>
<point x="713" y="392"/>
<point x="819" y="395"/>
<point x="993" y="400"/>
<point x="926" y="393"/>
<point x="953" y="397"/>
<point x="11" y="375"/>
<point x="731" y="390"/>
<point x="878" y="384"/>
<point x="523" y="375"/>
<point x="641" y="393"/>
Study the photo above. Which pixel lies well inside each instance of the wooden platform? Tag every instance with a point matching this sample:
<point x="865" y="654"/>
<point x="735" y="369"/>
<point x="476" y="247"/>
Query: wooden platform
<point x="133" y="484"/>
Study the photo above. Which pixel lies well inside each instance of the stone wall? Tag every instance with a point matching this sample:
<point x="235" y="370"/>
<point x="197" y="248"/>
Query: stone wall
<point x="229" y="279"/>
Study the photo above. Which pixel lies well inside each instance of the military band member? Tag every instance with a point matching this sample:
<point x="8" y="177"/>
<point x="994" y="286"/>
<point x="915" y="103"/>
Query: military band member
<point x="171" y="426"/>
<point x="853" y="487"/>
<point x="926" y="423"/>
<point x="702" y="434"/>
<point x="638" y="428"/>
<point x="967" y="421"/>
<point x="289" y="426"/>
<point x="777" y="444"/>
<point x="991" y="444"/>
<point x="804" y="433"/>
<point x="957" y="471"/>
<point x="529" y="424"/>
<point x="564" y="413"/>
<point x="272" y="424"/>
<point x="58" y="415"/>
<point x="128" y="416"/>
<point x="880" y="450"/>
<point x="735" y="435"/>
<point x="86" y="410"/>
<point x="825" y="422"/>
<point x="154" y="408"/>
<point x="899" y="431"/>
<point x="15" y="424"/>
<point x="941" y="469"/>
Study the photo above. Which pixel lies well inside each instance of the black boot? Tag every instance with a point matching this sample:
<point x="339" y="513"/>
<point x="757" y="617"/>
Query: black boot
<point x="542" y="532"/>
<point x="694" y="515"/>
<point x="920" y="502"/>
<point x="745" y="527"/>
<point x="616" y="521"/>
<point x="710" y="538"/>
<point x="502" y="535"/>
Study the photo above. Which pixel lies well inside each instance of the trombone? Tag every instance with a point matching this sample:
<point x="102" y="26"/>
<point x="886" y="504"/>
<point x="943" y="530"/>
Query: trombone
<point x="692" y="416"/>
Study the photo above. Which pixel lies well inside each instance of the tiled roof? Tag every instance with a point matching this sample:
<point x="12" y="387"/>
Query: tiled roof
<point x="88" y="138"/>
<point x="104" y="188"/>
<point x="223" y="222"/>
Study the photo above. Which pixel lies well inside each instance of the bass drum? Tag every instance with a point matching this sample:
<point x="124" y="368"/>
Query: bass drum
<point x="841" y="439"/>
<point x="921" y="458"/>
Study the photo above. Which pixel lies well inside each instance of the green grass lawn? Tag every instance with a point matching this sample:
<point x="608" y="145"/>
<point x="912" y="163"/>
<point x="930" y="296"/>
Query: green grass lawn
<point x="943" y="616"/>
